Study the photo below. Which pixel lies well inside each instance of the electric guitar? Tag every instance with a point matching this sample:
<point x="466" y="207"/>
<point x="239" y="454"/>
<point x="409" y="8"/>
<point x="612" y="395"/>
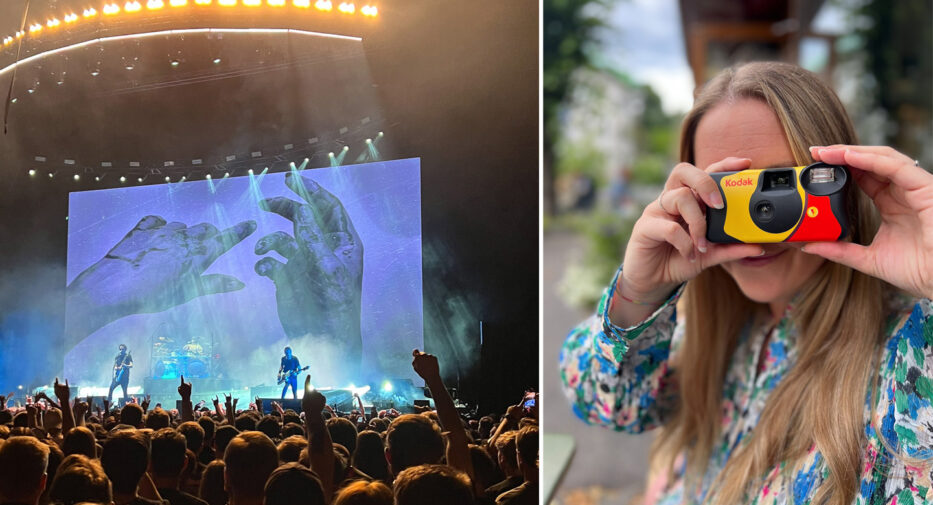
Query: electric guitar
<point x="120" y="368"/>
<point x="288" y="375"/>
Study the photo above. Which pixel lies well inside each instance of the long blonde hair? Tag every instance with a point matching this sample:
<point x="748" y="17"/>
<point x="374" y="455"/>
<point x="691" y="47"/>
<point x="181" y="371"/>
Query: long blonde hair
<point x="838" y="315"/>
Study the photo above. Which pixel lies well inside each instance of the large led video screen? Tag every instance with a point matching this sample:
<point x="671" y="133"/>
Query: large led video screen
<point x="213" y="278"/>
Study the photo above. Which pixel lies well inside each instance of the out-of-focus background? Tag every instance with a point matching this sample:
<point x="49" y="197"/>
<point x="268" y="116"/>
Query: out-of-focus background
<point x="618" y="79"/>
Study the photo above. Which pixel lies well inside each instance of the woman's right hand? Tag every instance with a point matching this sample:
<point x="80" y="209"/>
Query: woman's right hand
<point x="668" y="245"/>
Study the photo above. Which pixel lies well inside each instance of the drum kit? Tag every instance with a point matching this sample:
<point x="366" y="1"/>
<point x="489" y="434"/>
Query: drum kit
<point x="172" y="359"/>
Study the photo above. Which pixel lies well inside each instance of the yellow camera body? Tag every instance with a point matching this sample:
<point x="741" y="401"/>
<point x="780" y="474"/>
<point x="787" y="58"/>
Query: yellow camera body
<point x="791" y="204"/>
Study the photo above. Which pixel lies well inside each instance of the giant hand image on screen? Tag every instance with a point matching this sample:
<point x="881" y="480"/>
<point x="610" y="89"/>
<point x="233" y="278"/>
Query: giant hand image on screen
<point x="194" y="271"/>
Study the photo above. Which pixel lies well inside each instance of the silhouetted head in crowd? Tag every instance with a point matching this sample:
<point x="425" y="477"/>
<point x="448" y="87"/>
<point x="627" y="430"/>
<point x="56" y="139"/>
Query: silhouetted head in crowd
<point x="485" y="470"/>
<point x="24" y="461"/>
<point x="21" y="420"/>
<point x="293" y="484"/>
<point x="158" y="419"/>
<point x="168" y="457"/>
<point x="125" y="459"/>
<point x="211" y="488"/>
<point x="508" y="458"/>
<point x="486" y="424"/>
<point x="270" y="426"/>
<point x="222" y="437"/>
<point x="378" y="424"/>
<point x="362" y="492"/>
<point x="52" y="422"/>
<point x="250" y="458"/>
<point x="245" y="422"/>
<point x="132" y="415"/>
<point x="412" y="440"/>
<point x="290" y="449"/>
<point x="194" y="435"/>
<point x="290" y="416"/>
<point x="370" y="456"/>
<point x="291" y="429"/>
<point x="432" y="485"/>
<point x="209" y="426"/>
<point x="80" y="440"/>
<point x="342" y="432"/>
<point x="80" y="479"/>
<point x="526" y="443"/>
<point x="6" y="417"/>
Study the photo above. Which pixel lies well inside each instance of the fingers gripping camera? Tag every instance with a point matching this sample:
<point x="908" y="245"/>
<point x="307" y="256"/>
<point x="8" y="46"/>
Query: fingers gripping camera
<point x="793" y="204"/>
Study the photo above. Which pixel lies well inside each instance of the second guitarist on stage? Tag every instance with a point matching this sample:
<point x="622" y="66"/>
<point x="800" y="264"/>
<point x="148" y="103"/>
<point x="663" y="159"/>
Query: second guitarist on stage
<point x="289" y="372"/>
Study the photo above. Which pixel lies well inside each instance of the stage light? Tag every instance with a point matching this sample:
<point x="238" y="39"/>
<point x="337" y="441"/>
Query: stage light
<point x="51" y="175"/>
<point x="250" y="171"/>
<point x="175" y="63"/>
<point x="7" y="41"/>
<point x="304" y="4"/>
<point x="35" y="28"/>
<point x="330" y="155"/>
<point x="122" y="179"/>
<point x="95" y="72"/>
<point x="132" y="6"/>
<point x="227" y="3"/>
<point x="111" y="9"/>
<point x="89" y="13"/>
<point x="346" y="148"/>
<point x="369" y="141"/>
<point x="183" y="178"/>
<point x="77" y="177"/>
<point x="97" y="178"/>
<point x="167" y="179"/>
<point x="14" y="100"/>
<point x="32" y="172"/>
<point x="217" y="61"/>
<point x="226" y="174"/>
<point x="178" y="3"/>
<point x="208" y="176"/>
<point x="71" y="18"/>
<point x="386" y="387"/>
<point x="140" y="179"/>
<point x="369" y="10"/>
<point x="347" y="8"/>
<point x="323" y="5"/>
<point x="155" y="4"/>
<point x="52" y="23"/>
<point x="20" y="387"/>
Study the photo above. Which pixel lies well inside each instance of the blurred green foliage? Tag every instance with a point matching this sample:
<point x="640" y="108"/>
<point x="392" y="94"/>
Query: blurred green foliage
<point x="897" y="48"/>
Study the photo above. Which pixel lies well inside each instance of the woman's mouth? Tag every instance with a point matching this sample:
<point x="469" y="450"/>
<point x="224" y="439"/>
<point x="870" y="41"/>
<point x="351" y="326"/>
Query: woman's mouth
<point x="760" y="261"/>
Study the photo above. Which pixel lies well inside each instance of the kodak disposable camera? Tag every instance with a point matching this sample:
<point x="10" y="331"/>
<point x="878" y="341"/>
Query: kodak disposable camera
<point x="792" y="204"/>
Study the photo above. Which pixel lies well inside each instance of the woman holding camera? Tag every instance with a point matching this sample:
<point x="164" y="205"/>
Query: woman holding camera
<point x="775" y="373"/>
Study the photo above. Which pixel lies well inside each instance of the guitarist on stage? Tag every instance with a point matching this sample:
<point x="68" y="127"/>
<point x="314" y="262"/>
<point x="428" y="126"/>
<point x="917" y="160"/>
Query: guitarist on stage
<point x="289" y="371"/>
<point x="121" y="372"/>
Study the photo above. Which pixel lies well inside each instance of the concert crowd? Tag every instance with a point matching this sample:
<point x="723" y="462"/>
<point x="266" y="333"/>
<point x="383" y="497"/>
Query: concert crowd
<point x="67" y="451"/>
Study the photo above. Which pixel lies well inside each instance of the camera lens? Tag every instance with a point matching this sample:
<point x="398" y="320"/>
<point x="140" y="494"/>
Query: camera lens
<point x="765" y="211"/>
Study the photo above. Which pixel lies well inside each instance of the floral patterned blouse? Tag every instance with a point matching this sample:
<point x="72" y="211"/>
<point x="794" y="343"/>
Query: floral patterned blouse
<point x="619" y="378"/>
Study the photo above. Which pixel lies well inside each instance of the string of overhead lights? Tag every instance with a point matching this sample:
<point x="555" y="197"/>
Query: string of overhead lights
<point x="115" y="10"/>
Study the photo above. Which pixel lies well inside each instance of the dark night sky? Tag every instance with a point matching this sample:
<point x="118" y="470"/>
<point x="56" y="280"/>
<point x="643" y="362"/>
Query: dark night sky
<point x="458" y="84"/>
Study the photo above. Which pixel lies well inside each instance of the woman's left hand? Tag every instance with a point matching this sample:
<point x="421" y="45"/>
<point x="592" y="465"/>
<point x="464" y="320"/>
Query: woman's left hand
<point x="902" y="251"/>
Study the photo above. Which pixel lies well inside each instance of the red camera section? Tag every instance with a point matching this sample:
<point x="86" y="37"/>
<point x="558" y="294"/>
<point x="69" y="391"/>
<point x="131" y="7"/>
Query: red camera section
<point x="818" y="223"/>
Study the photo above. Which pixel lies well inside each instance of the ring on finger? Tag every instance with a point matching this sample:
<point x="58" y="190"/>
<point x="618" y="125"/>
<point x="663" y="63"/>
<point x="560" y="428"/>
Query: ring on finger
<point x="661" y="196"/>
